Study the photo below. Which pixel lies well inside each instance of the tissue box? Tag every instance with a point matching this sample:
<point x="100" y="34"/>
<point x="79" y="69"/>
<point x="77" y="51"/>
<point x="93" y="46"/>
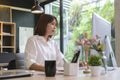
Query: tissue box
<point x="71" y="69"/>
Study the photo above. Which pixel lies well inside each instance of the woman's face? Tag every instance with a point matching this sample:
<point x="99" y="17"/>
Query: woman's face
<point x="51" y="28"/>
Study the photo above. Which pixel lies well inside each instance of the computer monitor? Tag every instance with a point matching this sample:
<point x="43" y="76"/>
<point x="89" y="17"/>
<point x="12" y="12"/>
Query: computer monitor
<point x="100" y="26"/>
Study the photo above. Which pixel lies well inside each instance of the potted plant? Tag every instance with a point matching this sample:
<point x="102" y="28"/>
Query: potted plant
<point x="95" y="63"/>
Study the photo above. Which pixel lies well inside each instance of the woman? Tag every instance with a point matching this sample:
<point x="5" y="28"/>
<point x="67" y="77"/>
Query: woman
<point x="41" y="47"/>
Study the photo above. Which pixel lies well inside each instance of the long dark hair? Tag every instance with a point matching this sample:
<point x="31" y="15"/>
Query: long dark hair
<point x="42" y="24"/>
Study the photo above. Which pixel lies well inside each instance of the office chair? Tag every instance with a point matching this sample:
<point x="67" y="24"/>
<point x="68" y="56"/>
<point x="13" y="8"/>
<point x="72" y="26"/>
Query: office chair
<point x="19" y="60"/>
<point x="8" y="58"/>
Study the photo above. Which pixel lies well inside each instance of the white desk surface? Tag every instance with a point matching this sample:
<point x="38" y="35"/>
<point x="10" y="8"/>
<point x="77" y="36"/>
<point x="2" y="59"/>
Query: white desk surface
<point x="111" y="75"/>
<point x="3" y="64"/>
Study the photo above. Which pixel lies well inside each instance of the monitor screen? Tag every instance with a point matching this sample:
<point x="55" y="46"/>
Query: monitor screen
<point x="100" y="26"/>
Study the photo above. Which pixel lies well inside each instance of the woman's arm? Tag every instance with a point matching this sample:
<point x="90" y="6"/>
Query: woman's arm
<point x="31" y="55"/>
<point x="36" y="67"/>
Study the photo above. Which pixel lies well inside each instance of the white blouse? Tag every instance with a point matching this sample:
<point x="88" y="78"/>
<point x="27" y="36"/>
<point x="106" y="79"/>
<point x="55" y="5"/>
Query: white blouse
<point x="38" y="50"/>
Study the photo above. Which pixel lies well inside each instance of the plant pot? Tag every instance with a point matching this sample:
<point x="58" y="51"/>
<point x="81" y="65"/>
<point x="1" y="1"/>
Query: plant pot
<point x="95" y="70"/>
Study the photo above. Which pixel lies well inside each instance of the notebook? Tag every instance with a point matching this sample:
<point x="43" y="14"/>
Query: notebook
<point x="14" y="74"/>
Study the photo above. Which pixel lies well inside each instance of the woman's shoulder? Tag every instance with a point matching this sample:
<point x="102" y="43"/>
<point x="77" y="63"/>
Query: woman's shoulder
<point x="34" y="37"/>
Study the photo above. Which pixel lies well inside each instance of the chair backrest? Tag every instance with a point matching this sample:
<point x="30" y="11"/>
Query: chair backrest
<point x="8" y="58"/>
<point x="19" y="59"/>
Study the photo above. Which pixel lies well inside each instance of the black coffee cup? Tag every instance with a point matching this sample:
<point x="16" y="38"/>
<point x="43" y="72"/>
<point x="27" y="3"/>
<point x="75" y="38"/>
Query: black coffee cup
<point x="50" y="68"/>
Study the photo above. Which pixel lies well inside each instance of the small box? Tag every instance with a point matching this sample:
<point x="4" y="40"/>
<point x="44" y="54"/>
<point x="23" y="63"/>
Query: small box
<point x="71" y="69"/>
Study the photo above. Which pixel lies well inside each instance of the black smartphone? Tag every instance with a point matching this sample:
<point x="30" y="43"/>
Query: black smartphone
<point x="75" y="57"/>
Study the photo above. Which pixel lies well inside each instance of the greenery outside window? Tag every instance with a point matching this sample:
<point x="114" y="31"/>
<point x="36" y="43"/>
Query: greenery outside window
<point x="77" y="18"/>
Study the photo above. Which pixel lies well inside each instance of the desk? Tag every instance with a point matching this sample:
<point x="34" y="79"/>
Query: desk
<point x="3" y="64"/>
<point x="111" y="75"/>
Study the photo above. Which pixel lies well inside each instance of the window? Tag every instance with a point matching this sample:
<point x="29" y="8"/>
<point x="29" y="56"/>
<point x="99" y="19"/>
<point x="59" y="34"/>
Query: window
<point x="77" y="17"/>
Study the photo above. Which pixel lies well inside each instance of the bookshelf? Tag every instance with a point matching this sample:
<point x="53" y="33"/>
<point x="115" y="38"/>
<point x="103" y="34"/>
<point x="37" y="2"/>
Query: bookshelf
<point x="7" y="37"/>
